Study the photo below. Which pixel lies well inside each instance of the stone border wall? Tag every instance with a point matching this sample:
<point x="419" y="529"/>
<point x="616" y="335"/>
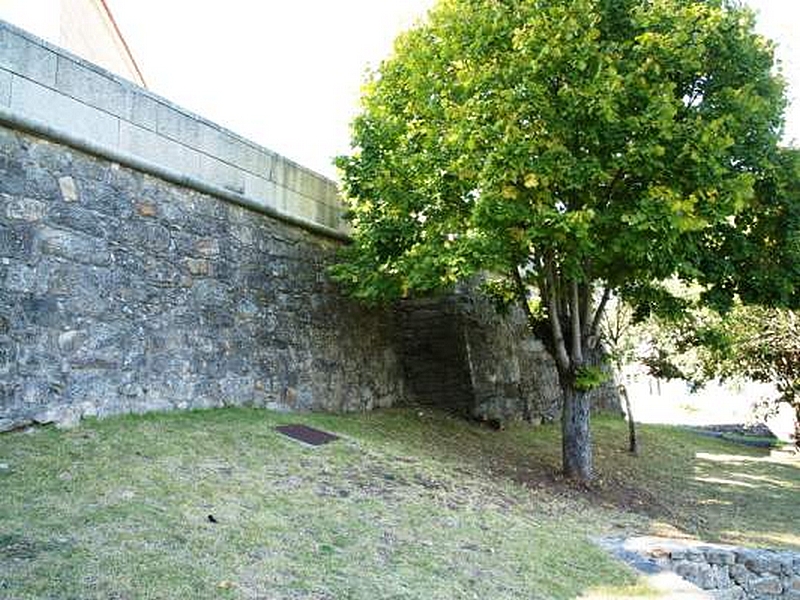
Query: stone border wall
<point x="729" y="572"/>
<point x="48" y="87"/>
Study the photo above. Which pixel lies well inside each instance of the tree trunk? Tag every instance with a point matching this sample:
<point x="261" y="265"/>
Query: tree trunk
<point x="576" y="440"/>
<point x="633" y="445"/>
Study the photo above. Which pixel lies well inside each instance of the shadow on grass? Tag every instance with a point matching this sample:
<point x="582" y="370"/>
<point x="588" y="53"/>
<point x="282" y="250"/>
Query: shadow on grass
<point x="690" y="484"/>
<point x="401" y="507"/>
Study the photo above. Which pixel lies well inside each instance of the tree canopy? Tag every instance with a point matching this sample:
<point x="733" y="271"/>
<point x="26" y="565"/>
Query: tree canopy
<point x="577" y="147"/>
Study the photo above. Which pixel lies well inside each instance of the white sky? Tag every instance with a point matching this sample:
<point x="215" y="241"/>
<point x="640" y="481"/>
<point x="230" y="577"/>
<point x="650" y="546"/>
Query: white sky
<point x="287" y="73"/>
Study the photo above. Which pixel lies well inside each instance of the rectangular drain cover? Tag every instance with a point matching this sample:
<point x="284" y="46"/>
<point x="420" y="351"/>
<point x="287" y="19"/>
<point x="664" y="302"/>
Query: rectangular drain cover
<point x="306" y="434"/>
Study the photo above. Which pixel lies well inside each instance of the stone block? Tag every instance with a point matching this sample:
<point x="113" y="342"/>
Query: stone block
<point x="16" y="242"/>
<point x="69" y="190"/>
<point x="74" y="246"/>
<point x="694" y="555"/>
<point x="740" y="574"/>
<point x="24" y="57"/>
<point x="718" y="556"/>
<point x="207" y="247"/>
<point x="70" y="341"/>
<point x="306" y="182"/>
<point x="198" y="266"/>
<point x="301" y="206"/>
<point x="35" y="101"/>
<point x="177" y="125"/>
<point x="260" y="189"/>
<point x="766" y="585"/>
<point x="233" y="150"/>
<point x="145" y="208"/>
<point x="149" y="236"/>
<point x="25" y="209"/>
<point x="157" y="149"/>
<point x="5" y="87"/>
<point x="144" y="110"/>
<point x="221" y="174"/>
<point x="91" y="87"/>
<point x="731" y="593"/>
<point x="25" y="279"/>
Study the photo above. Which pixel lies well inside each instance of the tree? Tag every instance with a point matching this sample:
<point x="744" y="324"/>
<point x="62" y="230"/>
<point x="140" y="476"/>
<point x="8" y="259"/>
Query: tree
<point x="762" y="344"/>
<point x="618" y="333"/>
<point x="578" y="147"/>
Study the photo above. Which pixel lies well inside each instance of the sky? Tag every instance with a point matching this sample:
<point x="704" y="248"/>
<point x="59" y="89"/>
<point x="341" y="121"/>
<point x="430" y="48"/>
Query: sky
<point x="287" y="75"/>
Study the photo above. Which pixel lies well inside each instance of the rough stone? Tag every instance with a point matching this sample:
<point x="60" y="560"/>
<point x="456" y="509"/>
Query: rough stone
<point x="766" y="585"/>
<point x="146" y="209"/>
<point x="25" y="209"/>
<point x="69" y="191"/>
<point x="731" y="593"/>
<point x="124" y="320"/>
<point x="73" y="246"/>
<point x="720" y="557"/>
<point x="198" y="266"/>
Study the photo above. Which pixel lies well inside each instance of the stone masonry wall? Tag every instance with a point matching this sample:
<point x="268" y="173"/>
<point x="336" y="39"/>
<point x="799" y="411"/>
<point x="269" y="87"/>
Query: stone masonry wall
<point x="150" y="259"/>
<point x="121" y="292"/>
<point x="733" y="573"/>
<point x="458" y="352"/>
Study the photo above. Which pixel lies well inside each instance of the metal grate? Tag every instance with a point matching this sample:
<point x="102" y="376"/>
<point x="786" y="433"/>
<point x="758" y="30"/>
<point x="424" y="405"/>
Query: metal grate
<point x="307" y="435"/>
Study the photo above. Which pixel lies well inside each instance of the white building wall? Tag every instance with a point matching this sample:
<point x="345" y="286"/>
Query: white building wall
<point x="83" y="27"/>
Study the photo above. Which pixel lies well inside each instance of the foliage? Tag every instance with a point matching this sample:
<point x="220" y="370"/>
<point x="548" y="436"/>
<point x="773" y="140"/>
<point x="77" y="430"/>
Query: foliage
<point x="577" y="147"/>
<point x="590" y="377"/>
<point x="762" y="344"/>
<point x="755" y="256"/>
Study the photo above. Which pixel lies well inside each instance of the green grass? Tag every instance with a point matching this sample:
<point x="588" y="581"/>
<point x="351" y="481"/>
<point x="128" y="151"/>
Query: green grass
<point x="409" y="504"/>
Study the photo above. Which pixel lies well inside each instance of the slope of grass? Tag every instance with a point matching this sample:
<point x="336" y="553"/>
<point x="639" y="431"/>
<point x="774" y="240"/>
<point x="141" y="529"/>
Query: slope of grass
<point x="408" y="504"/>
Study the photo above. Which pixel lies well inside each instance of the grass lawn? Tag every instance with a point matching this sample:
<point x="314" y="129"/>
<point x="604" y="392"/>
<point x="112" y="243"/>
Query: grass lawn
<point x="408" y="504"/>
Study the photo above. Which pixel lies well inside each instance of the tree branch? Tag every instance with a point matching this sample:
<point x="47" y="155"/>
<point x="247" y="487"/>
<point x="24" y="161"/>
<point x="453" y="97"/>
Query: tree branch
<point x="562" y="358"/>
<point x="586" y="309"/>
<point x="598" y="315"/>
<point x="575" y="325"/>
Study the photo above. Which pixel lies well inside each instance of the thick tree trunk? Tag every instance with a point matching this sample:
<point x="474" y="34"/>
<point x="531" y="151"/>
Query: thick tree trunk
<point x="576" y="440"/>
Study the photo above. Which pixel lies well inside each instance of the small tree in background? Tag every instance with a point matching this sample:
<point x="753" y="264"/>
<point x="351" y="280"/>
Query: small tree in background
<point x="580" y="147"/>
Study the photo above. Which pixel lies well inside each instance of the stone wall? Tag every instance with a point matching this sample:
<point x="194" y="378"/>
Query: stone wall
<point x="151" y="260"/>
<point x="460" y="353"/>
<point x="732" y="573"/>
<point x="122" y="292"/>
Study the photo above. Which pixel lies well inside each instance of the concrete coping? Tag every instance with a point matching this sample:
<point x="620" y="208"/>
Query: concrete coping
<point x="48" y="91"/>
